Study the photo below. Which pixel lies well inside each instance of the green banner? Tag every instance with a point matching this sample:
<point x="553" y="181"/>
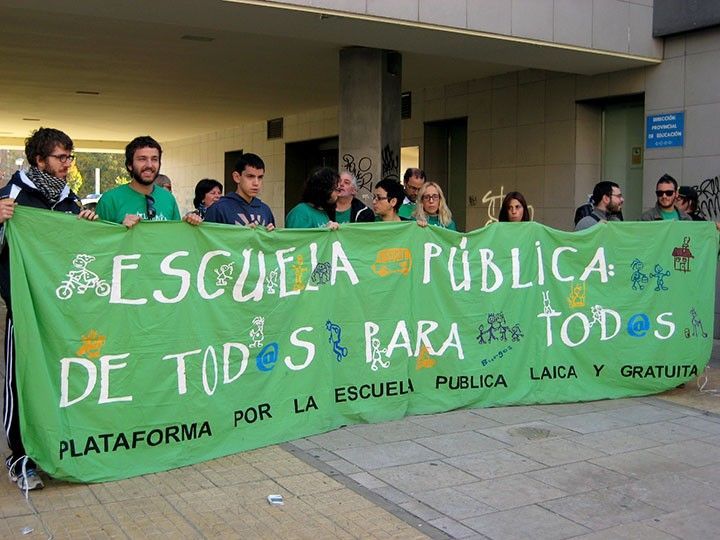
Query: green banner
<point x="151" y="348"/>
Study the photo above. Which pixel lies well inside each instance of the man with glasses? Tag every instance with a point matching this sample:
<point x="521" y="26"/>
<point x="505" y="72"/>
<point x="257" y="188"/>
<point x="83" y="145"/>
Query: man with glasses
<point x="608" y="201"/>
<point x="43" y="185"/>
<point x="413" y="180"/>
<point x="664" y="209"/>
<point x="142" y="198"/>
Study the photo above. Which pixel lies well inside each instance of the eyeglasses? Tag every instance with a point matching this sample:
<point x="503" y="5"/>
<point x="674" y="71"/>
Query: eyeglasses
<point x="619" y="195"/>
<point x="666" y="192"/>
<point x="379" y="198"/>
<point x="433" y="197"/>
<point x="151" y="212"/>
<point x="63" y="158"/>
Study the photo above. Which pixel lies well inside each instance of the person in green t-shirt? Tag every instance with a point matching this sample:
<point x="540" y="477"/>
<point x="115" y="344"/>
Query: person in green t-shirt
<point x="413" y="180"/>
<point x="348" y="208"/>
<point x="666" y="192"/>
<point x="141" y="199"/>
<point x="317" y="208"/>
<point x="432" y="208"/>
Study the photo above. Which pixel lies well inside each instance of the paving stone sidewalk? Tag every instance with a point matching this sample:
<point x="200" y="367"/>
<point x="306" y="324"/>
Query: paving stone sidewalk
<point x="629" y="468"/>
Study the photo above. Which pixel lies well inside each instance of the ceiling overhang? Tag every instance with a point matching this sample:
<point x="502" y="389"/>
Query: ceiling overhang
<point x="105" y="72"/>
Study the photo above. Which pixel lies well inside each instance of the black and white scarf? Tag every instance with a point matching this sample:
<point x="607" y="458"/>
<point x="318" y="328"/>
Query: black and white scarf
<point x="49" y="185"/>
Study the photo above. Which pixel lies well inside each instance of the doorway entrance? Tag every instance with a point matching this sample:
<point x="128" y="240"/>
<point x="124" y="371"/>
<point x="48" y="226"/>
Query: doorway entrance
<point x="301" y="158"/>
<point x="230" y="160"/>
<point x="622" y="151"/>
<point x="445" y="162"/>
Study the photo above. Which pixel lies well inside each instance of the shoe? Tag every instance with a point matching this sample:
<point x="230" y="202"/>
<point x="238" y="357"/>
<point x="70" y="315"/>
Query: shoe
<point x="26" y="480"/>
<point x="29" y="481"/>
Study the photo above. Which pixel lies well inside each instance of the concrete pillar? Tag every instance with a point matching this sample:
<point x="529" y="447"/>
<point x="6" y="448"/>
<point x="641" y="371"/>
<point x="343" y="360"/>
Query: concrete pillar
<point x="370" y="87"/>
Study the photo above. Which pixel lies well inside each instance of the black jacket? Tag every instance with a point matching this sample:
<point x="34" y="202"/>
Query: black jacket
<point x="359" y="213"/>
<point x="23" y="190"/>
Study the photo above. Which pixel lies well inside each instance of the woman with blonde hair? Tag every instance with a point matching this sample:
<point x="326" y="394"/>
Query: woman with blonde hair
<point x="432" y="208"/>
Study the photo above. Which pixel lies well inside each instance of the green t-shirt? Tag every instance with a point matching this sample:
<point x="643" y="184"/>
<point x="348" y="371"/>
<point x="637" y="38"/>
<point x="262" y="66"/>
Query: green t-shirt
<point x="670" y="216"/>
<point x="435" y="220"/>
<point x="344" y="216"/>
<point x="115" y="204"/>
<point x="406" y="210"/>
<point x="304" y="216"/>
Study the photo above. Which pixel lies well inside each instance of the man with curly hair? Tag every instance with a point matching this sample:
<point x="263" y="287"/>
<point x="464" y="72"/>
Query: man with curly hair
<point x="43" y="185"/>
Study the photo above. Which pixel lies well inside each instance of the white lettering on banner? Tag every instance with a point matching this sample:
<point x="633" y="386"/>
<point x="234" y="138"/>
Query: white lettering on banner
<point x="116" y="287"/>
<point x="282" y="259"/>
<point x="431" y="251"/>
<point x="455" y="263"/>
<point x="341" y="263"/>
<point x="492" y="273"/>
<point x="184" y="276"/>
<point x="556" y="257"/>
<point x="313" y="264"/>
<point x="257" y="293"/>
<point x="465" y="283"/>
<point x="670" y="326"/>
<point x="603" y="318"/>
<point x="204" y="262"/>
<point x="307" y="345"/>
<point x="91" y="372"/>
<point x="401" y="339"/>
<point x="226" y="361"/>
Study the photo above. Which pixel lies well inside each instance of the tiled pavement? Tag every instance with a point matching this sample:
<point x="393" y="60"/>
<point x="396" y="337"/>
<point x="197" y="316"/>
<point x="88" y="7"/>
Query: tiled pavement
<point x="630" y="468"/>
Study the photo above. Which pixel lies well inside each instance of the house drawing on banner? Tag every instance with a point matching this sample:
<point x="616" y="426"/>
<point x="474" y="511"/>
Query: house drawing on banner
<point x="682" y="256"/>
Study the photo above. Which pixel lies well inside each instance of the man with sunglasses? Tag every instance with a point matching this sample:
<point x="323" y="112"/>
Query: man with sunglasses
<point x="664" y="209"/>
<point x="43" y="185"/>
<point x="142" y="198"/>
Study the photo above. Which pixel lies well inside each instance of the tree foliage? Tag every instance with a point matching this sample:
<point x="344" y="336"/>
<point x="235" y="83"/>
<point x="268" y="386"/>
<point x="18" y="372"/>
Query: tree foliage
<point x="81" y="177"/>
<point x="112" y="171"/>
<point x="74" y="178"/>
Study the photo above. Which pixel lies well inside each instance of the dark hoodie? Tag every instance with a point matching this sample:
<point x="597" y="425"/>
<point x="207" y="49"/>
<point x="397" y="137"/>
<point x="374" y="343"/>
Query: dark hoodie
<point x="23" y="190"/>
<point x="234" y="210"/>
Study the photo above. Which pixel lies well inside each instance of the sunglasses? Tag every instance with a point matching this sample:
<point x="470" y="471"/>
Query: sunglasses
<point x="666" y="192"/>
<point x="151" y="212"/>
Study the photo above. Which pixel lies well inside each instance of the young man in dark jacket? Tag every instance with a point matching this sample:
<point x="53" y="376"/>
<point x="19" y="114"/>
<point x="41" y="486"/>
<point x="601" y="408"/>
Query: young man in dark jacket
<point x="43" y="185"/>
<point x="243" y="207"/>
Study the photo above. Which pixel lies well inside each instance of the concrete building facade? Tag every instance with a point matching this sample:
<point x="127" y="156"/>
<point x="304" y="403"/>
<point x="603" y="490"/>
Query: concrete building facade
<point x="550" y="134"/>
<point x="541" y="96"/>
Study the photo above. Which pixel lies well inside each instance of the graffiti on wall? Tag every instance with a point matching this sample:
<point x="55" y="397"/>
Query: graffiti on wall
<point x="390" y="164"/>
<point x="709" y="197"/>
<point x="361" y="169"/>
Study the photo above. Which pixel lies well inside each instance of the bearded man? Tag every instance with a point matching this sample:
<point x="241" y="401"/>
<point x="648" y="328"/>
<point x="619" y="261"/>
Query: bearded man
<point x="43" y="185"/>
<point x="142" y="198"/>
<point x="608" y="200"/>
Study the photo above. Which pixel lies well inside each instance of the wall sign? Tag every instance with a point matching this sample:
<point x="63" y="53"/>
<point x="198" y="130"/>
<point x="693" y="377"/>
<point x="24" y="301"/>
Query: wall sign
<point x="665" y="130"/>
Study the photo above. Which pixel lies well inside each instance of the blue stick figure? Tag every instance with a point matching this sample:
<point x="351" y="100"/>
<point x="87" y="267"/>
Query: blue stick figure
<point x="335" y="336"/>
<point x="659" y="274"/>
<point x="638" y="278"/>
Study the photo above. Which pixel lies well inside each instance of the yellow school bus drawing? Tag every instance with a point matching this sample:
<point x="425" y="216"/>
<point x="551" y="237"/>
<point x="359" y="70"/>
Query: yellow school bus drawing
<point x="392" y="261"/>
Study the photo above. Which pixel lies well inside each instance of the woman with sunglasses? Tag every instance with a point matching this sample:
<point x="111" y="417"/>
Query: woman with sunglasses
<point x="432" y="208"/>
